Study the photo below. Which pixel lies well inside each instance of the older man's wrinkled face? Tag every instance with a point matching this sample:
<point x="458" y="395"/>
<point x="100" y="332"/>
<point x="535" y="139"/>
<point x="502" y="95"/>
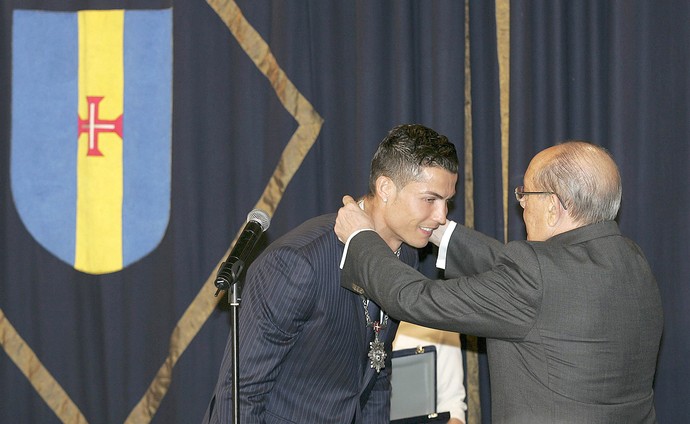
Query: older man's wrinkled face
<point x="536" y="206"/>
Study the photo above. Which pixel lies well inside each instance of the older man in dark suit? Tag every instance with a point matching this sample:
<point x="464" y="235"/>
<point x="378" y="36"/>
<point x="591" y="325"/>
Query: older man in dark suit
<point x="572" y="316"/>
<point x="310" y="351"/>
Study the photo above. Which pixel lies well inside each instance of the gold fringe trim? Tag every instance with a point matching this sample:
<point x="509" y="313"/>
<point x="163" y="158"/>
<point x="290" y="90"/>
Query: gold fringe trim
<point x="503" y="48"/>
<point x="474" y="411"/>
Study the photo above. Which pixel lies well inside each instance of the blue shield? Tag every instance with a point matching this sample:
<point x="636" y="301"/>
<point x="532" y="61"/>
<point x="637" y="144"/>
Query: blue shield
<point x="43" y="161"/>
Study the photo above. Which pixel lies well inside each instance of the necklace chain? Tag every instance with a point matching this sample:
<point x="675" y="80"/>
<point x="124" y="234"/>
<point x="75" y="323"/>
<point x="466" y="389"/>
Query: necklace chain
<point x="377" y="352"/>
<point x="384" y="319"/>
<point x="383" y="322"/>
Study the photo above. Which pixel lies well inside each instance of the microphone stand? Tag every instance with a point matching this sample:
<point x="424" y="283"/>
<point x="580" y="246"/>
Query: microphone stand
<point x="234" y="298"/>
<point x="228" y="280"/>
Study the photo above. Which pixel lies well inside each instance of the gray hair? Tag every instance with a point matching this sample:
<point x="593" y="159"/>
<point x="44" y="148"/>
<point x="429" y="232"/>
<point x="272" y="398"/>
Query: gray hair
<point x="586" y="179"/>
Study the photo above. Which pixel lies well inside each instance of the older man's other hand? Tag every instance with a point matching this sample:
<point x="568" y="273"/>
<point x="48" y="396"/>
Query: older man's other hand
<point x="351" y="219"/>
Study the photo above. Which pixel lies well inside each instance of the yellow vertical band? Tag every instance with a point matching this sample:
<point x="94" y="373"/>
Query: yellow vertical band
<point x="99" y="178"/>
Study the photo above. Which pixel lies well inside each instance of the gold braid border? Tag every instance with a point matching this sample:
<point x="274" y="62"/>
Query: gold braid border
<point x="310" y="123"/>
<point x="43" y="381"/>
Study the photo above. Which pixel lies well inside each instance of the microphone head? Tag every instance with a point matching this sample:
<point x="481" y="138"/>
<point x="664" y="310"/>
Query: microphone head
<point x="261" y="217"/>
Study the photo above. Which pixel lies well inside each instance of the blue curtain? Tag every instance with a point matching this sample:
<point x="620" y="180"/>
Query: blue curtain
<point x="615" y="73"/>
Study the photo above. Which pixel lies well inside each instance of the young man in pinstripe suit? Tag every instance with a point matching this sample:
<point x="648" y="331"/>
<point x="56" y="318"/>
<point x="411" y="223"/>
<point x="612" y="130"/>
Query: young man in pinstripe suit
<point x="309" y="350"/>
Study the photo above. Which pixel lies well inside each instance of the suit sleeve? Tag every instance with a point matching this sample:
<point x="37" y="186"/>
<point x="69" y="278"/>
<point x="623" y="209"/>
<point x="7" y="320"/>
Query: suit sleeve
<point x="470" y="252"/>
<point x="277" y="299"/>
<point x="501" y="303"/>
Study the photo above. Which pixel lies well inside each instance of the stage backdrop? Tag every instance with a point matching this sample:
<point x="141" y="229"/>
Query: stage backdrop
<point x="136" y="136"/>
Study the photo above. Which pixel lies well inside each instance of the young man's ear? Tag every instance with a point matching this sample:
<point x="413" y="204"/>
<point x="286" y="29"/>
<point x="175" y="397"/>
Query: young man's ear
<point x="384" y="188"/>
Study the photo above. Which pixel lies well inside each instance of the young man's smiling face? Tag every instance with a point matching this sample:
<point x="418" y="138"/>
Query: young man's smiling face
<point x="412" y="212"/>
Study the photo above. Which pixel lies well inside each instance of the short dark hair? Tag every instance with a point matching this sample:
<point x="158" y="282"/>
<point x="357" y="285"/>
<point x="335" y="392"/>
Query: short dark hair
<point x="406" y="150"/>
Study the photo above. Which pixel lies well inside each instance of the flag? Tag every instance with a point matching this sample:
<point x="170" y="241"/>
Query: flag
<point x="91" y="335"/>
<point x="92" y="132"/>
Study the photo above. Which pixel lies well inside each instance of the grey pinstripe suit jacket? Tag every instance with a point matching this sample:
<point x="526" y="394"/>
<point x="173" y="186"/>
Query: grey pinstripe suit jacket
<point x="573" y="324"/>
<point x="303" y="340"/>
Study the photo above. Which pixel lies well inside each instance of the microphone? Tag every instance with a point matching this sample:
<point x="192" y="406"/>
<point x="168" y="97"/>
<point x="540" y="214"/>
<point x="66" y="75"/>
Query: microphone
<point x="230" y="270"/>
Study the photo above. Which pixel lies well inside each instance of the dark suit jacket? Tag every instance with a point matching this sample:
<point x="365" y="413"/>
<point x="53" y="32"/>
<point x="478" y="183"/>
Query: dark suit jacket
<point x="303" y="339"/>
<point x="573" y="324"/>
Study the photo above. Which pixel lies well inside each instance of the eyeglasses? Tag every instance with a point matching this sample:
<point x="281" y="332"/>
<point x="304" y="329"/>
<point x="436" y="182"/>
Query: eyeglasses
<point x="520" y="194"/>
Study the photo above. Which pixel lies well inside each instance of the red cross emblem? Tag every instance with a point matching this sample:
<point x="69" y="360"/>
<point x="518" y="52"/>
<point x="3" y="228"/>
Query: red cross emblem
<point x="377" y="326"/>
<point x="93" y="125"/>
